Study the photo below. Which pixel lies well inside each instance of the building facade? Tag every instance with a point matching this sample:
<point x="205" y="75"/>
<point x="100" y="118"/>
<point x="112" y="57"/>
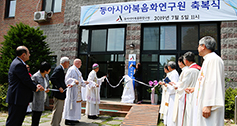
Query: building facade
<point x="154" y="43"/>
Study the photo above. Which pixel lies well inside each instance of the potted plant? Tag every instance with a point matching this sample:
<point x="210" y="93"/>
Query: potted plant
<point x="155" y="91"/>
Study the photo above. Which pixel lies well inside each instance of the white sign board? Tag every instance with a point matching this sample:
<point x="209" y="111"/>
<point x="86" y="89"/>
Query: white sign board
<point x="159" y="11"/>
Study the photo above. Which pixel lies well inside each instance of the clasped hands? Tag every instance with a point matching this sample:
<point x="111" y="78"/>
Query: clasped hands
<point x="206" y="111"/>
<point x="39" y="88"/>
<point x="162" y="83"/>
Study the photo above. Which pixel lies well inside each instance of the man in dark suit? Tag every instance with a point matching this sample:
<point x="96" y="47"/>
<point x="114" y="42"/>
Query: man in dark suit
<point x="20" y="88"/>
<point x="58" y="81"/>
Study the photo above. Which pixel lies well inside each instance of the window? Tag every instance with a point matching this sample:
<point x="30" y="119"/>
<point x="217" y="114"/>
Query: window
<point x="10" y="8"/>
<point x="52" y="5"/>
<point x="102" y="40"/>
<point x="189" y="37"/>
<point x="151" y="38"/>
<point x="115" y="39"/>
<point x="84" y="41"/>
<point x="98" y="41"/>
<point x="166" y="42"/>
<point x="168" y="37"/>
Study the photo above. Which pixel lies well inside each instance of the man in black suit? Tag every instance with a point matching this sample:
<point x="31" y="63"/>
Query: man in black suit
<point x="20" y="88"/>
<point x="58" y="81"/>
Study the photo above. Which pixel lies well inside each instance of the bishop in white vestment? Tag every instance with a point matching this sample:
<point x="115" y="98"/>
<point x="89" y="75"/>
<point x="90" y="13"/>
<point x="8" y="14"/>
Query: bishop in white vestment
<point x="72" y="106"/>
<point x="209" y="91"/>
<point x="93" y="93"/>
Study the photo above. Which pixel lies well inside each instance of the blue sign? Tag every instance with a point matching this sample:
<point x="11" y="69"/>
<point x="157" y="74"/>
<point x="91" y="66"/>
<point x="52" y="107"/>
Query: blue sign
<point x="131" y="69"/>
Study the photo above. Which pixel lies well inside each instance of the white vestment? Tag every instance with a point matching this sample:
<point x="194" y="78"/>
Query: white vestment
<point x="72" y="105"/>
<point x="178" y="97"/>
<point x="174" y="77"/>
<point x="193" y="75"/>
<point x="93" y="94"/>
<point x="210" y="91"/>
<point x="189" y="78"/>
<point x="128" y="91"/>
<point x="164" y="102"/>
<point x="83" y="93"/>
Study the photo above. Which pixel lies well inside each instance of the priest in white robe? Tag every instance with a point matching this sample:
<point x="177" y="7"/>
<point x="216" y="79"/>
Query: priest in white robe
<point x="93" y="93"/>
<point x="187" y="78"/>
<point x="165" y="98"/>
<point x="174" y="77"/>
<point x="209" y="91"/>
<point x="72" y="107"/>
<point x="179" y="98"/>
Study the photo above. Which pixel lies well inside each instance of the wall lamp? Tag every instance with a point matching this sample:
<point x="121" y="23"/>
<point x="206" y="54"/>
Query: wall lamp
<point x="132" y="45"/>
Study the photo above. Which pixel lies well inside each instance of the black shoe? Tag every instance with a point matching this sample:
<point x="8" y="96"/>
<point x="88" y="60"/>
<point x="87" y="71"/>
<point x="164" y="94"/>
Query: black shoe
<point x="75" y="121"/>
<point x="69" y="122"/>
<point x="89" y="117"/>
<point x="92" y="116"/>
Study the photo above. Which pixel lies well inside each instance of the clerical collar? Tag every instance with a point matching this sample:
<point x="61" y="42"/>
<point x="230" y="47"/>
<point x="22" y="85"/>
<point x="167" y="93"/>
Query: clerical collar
<point x="184" y="68"/>
<point x="204" y="57"/>
<point x="21" y="60"/>
<point x="62" y="66"/>
<point x="172" y="71"/>
<point x="192" y="65"/>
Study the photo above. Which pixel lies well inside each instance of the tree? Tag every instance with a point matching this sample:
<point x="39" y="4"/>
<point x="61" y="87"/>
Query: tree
<point x="30" y="37"/>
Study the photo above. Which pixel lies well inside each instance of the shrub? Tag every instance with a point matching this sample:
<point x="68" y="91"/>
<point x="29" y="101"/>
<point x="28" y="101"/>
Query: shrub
<point x="30" y="37"/>
<point x="230" y="103"/>
<point x="3" y="96"/>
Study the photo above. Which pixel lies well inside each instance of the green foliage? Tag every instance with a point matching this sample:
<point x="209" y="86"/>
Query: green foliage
<point x="30" y="37"/>
<point x="157" y="90"/>
<point x="230" y="103"/>
<point x="3" y="96"/>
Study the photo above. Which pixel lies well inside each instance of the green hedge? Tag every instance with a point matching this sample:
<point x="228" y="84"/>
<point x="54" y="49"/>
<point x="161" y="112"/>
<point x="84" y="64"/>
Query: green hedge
<point x="230" y="103"/>
<point x="3" y="96"/>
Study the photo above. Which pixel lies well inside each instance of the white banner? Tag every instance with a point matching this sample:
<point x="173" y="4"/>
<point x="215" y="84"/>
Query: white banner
<point x="159" y="11"/>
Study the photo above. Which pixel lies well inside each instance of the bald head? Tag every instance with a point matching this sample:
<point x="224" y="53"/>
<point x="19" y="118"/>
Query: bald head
<point x="23" y="53"/>
<point x="20" y="50"/>
<point x="77" y="63"/>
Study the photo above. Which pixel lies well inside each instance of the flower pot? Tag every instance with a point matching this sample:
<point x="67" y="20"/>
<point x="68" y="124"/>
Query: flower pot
<point x="154" y="99"/>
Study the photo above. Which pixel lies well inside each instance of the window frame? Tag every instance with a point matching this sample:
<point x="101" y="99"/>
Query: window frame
<point x="7" y="9"/>
<point x="90" y="28"/>
<point x="52" y="6"/>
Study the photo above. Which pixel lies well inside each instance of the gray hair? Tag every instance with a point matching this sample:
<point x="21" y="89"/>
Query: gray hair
<point x="209" y="42"/>
<point x="64" y="59"/>
<point x="190" y="56"/>
<point x="172" y="64"/>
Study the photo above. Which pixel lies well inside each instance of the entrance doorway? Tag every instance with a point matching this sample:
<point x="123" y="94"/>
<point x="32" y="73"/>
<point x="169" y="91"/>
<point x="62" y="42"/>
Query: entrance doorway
<point x="111" y="65"/>
<point x="104" y="45"/>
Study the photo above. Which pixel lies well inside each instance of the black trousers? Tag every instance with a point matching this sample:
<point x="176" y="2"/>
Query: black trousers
<point x="139" y="92"/>
<point x="16" y="114"/>
<point x="36" y="118"/>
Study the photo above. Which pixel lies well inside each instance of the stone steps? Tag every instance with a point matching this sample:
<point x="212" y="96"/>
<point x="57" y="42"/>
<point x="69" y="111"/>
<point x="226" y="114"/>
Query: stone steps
<point x="106" y="108"/>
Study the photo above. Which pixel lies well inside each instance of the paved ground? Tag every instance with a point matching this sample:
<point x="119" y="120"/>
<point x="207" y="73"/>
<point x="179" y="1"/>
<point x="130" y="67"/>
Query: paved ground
<point x="142" y="115"/>
<point x="103" y="120"/>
